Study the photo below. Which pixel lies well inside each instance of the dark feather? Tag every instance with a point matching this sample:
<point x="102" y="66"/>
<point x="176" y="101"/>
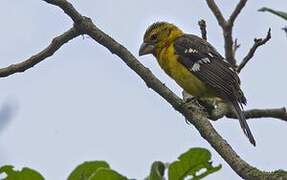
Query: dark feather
<point x="243" y="124"/>
<point x="217" y="73"/>
<point x="154" y="26"/>
<point x="201" y="59"/>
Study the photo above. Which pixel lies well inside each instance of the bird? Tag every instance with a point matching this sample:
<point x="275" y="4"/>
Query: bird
<point x="196" y="66"/>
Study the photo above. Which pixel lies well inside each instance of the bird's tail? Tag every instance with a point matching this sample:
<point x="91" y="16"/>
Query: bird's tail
<point x="239" y="113"/>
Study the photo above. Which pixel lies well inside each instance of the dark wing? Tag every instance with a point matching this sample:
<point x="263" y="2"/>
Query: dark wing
<point x="199" y="57"/>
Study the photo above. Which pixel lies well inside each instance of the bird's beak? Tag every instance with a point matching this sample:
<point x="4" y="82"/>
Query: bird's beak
<point x="146" y="48"/>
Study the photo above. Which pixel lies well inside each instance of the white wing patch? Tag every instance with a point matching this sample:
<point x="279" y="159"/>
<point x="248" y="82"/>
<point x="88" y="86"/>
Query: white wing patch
<point x="230" y="68"/>
<point x="225" y="60"/>
<point x="195" y="67"/>
<point x="204" y="61"/>
<point x="211" y="55"/>
<point x="190" y="50"/>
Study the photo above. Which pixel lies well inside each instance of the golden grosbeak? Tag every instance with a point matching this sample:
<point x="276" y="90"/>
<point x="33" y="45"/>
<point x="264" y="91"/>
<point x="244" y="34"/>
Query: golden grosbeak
<point x="196" y="66"/>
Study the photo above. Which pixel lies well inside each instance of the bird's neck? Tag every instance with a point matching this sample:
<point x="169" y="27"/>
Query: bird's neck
<point x="174" y="34"/>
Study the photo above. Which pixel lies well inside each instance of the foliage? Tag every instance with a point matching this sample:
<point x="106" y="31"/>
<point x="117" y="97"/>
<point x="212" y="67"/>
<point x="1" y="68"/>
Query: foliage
<point x="194" y="164"/>
<point x="24" y="174"/>
<point x="94" y="170"/>
<point x="156" y="171"/>
<point x="191" y="164"/>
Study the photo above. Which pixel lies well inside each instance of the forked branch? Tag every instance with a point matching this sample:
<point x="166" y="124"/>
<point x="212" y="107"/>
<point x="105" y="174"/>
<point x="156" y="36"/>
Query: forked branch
<point x="250" y="54"/>
<point x="227" y="27"/>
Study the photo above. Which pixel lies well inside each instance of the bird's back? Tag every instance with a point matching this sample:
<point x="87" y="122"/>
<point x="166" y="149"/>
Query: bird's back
<point x="168" y="61"/>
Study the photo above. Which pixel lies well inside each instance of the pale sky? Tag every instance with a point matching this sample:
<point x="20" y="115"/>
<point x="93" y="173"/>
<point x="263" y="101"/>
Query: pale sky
<point x="85" y="104"/>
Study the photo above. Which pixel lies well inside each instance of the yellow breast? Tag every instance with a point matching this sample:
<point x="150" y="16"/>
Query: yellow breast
<point x="190" y="83"/>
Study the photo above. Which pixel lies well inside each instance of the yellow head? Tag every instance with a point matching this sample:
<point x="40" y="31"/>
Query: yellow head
<point x="158" y="36"/>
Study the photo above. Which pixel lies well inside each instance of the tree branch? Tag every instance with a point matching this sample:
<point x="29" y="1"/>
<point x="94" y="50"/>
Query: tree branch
<point x="56" y="43"/>
<point x="285" y="29"/>
<point x="236" y="46"/>
<point x="222" y="110"/>
<point x="257" y="43"/>
<point x="228" y="45"/>
<point x="278" y="113"/>
<point x="194" y="115"/>
<point x="217" y="13"/>
<point x="216" y="110"/>
<point x="236" y="11"/>
<point x="226" y="29"/>
<point x="202" y="26"/>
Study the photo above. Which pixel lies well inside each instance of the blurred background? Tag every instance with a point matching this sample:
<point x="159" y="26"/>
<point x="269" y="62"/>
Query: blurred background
<point x="85" y="104"/>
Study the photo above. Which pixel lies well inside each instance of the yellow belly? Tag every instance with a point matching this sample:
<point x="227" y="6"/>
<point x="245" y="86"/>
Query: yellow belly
<point x="190" y="83"/>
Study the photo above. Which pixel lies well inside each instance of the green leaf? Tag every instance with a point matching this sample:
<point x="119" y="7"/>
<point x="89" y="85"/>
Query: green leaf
<point x="278" y="13"/>
<point x="86" y="169"/>
<point x="106" y="174"/>
<point x="196" y="163"/>
<point x="156" y="171"/>
<point x="24" y="174"/>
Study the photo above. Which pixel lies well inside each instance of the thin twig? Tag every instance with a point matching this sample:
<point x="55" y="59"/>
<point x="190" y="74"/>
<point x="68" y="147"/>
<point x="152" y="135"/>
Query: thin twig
<point x="278" y="113"/>
<point x="236" y="11"/>
<point x="217" y="13"/>
<point x="257" y="43"/>
<point x="285" y="29"/>
<point x="216" y="110"/>
<point x="222" y="110"/>
<point x="236" y="46"/>
<point x="56" y="43"/>
<point x="202" y="25"/>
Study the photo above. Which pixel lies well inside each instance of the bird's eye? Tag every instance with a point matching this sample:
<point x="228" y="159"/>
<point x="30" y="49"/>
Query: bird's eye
<point x="153" y="37"/>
